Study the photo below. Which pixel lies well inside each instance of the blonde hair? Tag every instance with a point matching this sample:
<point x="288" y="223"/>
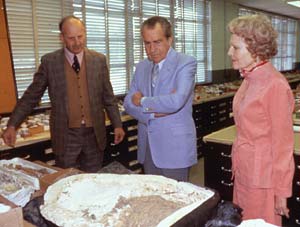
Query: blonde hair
<point x="258" y="33"/>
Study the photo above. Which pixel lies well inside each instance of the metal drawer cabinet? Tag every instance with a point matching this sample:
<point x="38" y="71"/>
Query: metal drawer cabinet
<point x="128" y="155"/>
<point x="295" y="208"/>
<point x="294" y="201"/>
<point x="200" y="119"/>
<point x="217" y="168"/>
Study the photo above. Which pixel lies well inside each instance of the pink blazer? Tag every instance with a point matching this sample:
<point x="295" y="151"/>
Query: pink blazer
<point x="262" y="155"/>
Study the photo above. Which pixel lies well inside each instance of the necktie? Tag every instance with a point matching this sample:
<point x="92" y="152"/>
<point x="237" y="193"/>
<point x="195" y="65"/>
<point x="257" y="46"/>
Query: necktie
<point x="75" y="64"/>
<point x="155" y="71"/>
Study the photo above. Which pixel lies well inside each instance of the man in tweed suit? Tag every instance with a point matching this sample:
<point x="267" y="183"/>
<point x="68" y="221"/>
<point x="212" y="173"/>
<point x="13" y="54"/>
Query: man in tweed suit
<point x="79" y="89"/>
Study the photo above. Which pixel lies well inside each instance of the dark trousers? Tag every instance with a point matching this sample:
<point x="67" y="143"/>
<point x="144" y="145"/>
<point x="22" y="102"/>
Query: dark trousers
<point x="180" y="174"/>
<point x="82" y="151"/>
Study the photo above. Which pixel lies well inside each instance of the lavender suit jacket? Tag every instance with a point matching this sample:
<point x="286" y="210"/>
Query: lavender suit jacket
<point x="172" y="139"/>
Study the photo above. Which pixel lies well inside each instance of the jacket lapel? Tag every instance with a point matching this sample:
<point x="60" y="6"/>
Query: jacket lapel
<point x="167" y="69"/>
<point x="59" y="65"/>
<point x="90" y="73"/>
<point x="89" y="67"/>
<point x="148" y="78"/>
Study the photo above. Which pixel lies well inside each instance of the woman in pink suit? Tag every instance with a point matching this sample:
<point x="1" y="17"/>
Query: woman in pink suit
<point x="262" y="154"/>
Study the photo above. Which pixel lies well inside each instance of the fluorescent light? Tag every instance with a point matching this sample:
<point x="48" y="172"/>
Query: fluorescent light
<point x="294" y="3"/>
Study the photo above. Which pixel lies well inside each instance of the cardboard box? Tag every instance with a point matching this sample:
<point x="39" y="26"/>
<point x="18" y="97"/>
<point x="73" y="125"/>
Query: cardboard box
<point x="13" y="217"/>
<point x="43" y="184"/>
<point x="27" y="224"/>
<point x="36" y="129"/>
<point x="46" y="165"/>
<point x="49" y="179"/>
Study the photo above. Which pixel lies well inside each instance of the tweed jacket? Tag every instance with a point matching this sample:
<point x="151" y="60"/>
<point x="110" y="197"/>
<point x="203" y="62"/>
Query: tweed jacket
<point x="51" y="75"/>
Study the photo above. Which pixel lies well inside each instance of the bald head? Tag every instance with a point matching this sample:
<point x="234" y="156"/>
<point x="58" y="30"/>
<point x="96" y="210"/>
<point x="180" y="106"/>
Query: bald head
<point x="67" y="19"/>
<point x="73" y="34"/>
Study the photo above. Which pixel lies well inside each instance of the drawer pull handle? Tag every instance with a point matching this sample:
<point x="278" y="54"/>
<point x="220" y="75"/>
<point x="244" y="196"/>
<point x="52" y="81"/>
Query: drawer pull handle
<point x="131" y="138"/>
<point x="227" y="184"/>
<point x="115" y="154"/>
<point x="132" y="163"/>
<point x="298" y="199"/>
<point x="137" y="171"/>
<point x="222" y="119"/>
<point x="225" y="170"/>
<point x="26" y="157"/>
<point x="48" y="151"/>
<point x="133" y="148"/>
<point x="297" y="222"/>
<point x="225" y="155"/>
<point x="131" y="128"/>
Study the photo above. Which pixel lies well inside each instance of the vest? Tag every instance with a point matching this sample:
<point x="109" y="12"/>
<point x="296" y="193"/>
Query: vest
<point x="78" y="96"/>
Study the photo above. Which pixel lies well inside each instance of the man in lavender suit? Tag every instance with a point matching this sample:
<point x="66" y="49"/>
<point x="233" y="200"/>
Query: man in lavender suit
<point x="160" y="98"/>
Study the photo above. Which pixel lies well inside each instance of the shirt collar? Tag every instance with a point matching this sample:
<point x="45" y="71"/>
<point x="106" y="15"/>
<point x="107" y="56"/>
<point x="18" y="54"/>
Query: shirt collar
<point x="69" y="55"/>
<point x="247" y="73"/>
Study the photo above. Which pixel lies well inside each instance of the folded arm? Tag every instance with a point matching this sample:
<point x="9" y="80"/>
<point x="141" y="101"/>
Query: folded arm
<point x="175" y="100"/>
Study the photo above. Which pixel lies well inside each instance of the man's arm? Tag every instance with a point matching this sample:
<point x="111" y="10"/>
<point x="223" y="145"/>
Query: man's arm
<point x="171" y="103"/>
<point x="31" y="96"/>
<point x="109" y="100"/>
<point x="25" y="105"/>
<point x="9" y="136"/>
<point x="130" y="107"/>
<point x="111" y="106"/>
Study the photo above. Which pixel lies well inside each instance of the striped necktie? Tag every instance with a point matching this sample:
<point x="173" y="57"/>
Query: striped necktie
<point x="155" y="71"/>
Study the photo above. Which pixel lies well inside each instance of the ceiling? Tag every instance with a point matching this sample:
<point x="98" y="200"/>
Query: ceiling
<point x="276" y="6"/>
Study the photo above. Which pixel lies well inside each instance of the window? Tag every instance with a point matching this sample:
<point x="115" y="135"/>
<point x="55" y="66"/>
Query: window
<point x="113" y="28"/>
<point x="33" y="30"/>
<point x="287" y="36"/>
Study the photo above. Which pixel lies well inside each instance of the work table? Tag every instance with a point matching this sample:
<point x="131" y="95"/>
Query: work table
<point x="227" y="136"/>
<point x="217" y="169"/>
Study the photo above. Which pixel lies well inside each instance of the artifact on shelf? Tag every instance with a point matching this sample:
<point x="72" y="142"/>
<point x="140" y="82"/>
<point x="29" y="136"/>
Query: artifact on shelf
<point x="20" y="179"/>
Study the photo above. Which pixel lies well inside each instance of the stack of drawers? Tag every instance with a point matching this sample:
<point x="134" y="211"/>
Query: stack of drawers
<point x="294" y="201"/>
<point x="217" y="169"/>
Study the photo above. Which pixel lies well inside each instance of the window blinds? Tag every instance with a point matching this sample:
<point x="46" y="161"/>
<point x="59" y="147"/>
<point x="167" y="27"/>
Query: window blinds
<point x="113" y="28"/>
